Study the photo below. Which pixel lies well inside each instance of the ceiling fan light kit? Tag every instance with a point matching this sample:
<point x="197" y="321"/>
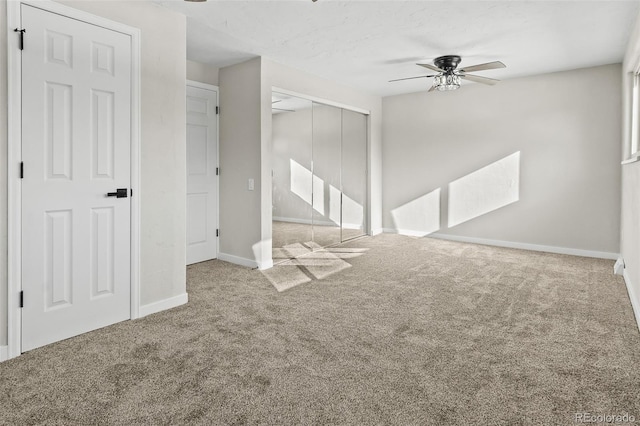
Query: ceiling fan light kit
<point x="449" y="77"/>
<point x="446" y="82"/>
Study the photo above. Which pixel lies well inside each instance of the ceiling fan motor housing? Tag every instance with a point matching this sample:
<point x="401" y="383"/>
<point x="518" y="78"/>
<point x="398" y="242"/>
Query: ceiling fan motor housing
<point x="447" y="62"/>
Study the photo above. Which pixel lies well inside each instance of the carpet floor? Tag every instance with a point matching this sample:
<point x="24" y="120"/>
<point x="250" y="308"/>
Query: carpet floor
<point x="384" y="330"/>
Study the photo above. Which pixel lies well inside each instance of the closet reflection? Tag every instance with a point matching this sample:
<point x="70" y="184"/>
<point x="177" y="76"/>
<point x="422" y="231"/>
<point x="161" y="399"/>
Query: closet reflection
<point x="319" y="175"/>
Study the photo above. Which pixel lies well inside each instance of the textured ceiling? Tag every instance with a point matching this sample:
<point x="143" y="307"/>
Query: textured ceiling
<point x="363" y="44"/>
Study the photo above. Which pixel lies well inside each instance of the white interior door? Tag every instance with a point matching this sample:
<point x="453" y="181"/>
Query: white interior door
<point x="202" y="178"/>
<point x="76" y="127"/>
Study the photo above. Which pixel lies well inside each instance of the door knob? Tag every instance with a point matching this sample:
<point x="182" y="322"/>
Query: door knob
<point x="120" y="193"/>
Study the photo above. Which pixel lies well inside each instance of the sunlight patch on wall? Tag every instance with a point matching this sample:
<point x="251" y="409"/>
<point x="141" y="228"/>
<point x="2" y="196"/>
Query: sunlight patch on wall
<point x="485" y="190"/>
<point x="352" y="213"/>
<point x="418" y="217"/>
<point x="300" y="181"/>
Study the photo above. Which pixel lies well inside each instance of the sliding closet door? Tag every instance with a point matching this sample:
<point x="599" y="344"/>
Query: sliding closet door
<point x="327" y="135"/>
<point x="354" y="173"/>
<point x="291" y="176"/>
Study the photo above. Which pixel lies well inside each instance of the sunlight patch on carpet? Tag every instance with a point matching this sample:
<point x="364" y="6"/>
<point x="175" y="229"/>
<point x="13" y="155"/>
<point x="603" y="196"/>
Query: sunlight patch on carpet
<point x="308" y="262"/>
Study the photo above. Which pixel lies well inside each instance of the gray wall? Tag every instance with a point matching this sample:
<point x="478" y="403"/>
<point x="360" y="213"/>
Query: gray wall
<point x="240" y="160"/>
<point x="204" y="73"/>
<point x="163" y="158"/>
<point x="545" y="151"/>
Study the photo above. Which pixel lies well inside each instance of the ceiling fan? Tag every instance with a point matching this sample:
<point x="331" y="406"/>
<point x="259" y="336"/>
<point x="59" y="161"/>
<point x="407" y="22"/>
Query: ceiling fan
<point x="449" y="76"/>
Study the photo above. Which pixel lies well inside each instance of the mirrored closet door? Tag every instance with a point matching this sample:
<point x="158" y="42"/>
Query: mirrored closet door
<point x="319" y="175"/>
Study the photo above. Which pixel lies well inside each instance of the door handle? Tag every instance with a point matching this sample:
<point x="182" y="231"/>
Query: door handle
<point x="120" y="193"/>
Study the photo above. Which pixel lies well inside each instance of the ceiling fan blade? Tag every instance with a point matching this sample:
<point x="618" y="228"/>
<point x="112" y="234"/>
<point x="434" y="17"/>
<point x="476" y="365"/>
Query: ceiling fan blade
<point x="432" y="88"/>
<point x="482" y="67"/>
<point x="275" y="102"/>
<point x="479" y="79"/>
<point x="285" y="110"/>
<point x="411" y="78"/>
<point x="431" y="67"/>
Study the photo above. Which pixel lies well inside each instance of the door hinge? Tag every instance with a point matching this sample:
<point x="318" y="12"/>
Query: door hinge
<point x="131" y="192"/>
<point x="21" y="31"/>
<point x="217" y="171"/>
<point x="22" y="299"/>
<point x="22" y="170"/>
<point x="217" y="110"/>
<point x="217" y="232"/>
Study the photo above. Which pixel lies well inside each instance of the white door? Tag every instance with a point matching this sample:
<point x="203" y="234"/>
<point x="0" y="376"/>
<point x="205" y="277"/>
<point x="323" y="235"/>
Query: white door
<point x="76" y="125"/>
<point x="202" y="178"/>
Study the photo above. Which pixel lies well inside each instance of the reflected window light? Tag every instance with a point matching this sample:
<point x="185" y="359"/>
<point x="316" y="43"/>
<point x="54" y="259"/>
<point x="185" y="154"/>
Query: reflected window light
<point x="300" y="181"/>
<point x="352" y="213"/>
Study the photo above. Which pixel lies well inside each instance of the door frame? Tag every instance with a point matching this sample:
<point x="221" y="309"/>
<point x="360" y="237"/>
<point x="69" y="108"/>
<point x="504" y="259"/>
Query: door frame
<point x="213" y="88"/>
<point x="14" y="183"/>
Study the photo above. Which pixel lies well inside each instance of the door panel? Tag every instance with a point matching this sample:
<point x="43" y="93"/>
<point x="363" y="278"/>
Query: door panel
<point x="202" y="181"/>
<point x="326" y="174"/>
<point x="76" y="129"/>
<point x="291" y="176"/>
<point x="354" y="173"/>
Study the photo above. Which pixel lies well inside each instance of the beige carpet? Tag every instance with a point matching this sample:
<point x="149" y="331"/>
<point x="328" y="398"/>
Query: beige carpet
<point x="413" y="332"/>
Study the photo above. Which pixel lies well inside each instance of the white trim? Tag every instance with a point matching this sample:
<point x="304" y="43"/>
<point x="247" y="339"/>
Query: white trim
<point x="136" y="167"/>
<point x="14" y="199"/>
<point x="320" y="100"/>
<point x="4" y="353"/>
<point x="527" y="246"/>
<point x="407" y="232"/>
<point x="200" y="85"/>
<point x="242" y="261"/>
<point x="213" y="88"/>
<point x="635" y="157"/>
<point x="163" y="305"/>
<point x="508" y="244"/>
<point x="635" y="302"/>
<point x="14" y="103"/>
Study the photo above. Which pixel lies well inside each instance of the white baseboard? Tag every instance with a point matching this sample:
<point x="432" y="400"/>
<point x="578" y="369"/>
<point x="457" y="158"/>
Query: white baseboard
<point x="635" y="302"/>
<point x="163" y="305"/>
<point x="4" y="353"/>
<point x="249" y="263"/>
<point x="407" y="232"/>
<point x="377" y="231"/>
<point x="510" y="244"/>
